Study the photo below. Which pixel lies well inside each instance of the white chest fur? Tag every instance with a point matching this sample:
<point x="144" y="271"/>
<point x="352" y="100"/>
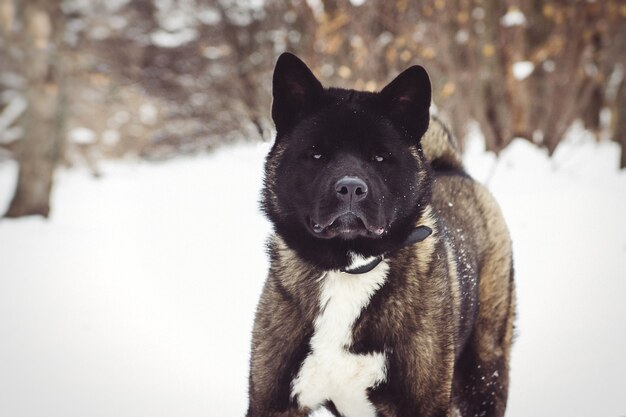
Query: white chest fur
<point x="331" y="372"/>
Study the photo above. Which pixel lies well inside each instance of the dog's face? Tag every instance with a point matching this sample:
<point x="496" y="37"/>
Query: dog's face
<point x="346" y="173"/>
<point x="340" y="180"/>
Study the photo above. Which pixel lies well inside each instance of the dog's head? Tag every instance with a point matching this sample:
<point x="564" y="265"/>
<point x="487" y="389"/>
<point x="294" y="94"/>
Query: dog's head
<point x="346" y="173"/>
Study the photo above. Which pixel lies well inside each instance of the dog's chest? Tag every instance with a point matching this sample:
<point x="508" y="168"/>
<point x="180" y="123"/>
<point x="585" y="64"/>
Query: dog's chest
<point x="330" y="371"/>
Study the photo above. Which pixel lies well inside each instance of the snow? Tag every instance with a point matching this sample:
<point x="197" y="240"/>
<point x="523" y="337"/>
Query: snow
<point x="137" y="297"/>
<point x="148" y="113"/>
<point x="209" y="16"/>
<point x="82" y="136"/>
<point x="523" y="69"/>
<point x="166" y="39"/>
<point x="462" y="36"/>
<point x="215" y="52"/>
<point x="513" y="17"/>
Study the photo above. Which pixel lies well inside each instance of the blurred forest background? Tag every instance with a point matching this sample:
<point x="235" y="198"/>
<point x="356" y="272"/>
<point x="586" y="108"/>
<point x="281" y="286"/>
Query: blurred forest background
<point x="84" y="80"/>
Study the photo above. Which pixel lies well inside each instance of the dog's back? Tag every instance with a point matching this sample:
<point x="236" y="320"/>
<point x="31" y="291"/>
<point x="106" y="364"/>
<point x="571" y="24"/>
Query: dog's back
<point x="440" y="146"/>
<point x="479" y="242"/>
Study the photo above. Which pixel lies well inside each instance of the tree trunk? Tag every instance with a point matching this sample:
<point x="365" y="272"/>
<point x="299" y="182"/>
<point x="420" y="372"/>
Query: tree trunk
<point x="620" y="123"/>
<point x="41" y="148"/>
<point x="496" y="107"/>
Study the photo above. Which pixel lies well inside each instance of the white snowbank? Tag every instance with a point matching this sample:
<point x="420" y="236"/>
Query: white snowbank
<point x="137" y="297"/>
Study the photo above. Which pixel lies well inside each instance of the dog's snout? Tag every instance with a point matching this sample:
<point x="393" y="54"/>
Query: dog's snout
<point x="351" y="189"/>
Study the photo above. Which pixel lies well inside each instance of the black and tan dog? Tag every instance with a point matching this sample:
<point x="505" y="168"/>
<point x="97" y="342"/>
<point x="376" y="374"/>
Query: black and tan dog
<point x="390" y="291"/>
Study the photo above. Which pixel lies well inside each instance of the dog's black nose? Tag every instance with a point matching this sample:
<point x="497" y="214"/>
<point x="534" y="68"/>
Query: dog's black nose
<point x="351" y="189"/>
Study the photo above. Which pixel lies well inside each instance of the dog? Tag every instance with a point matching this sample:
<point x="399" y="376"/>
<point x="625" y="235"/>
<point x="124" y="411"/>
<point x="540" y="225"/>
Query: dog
<point x="390" y="290"/>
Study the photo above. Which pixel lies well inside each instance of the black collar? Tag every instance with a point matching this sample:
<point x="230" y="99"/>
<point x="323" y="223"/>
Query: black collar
<point x="417" y="235"/>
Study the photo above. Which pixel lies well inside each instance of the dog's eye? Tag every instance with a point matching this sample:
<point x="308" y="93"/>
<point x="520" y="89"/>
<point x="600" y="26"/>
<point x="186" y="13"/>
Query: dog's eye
<point x="313" y="153"/>
<point x="378" y="158"/>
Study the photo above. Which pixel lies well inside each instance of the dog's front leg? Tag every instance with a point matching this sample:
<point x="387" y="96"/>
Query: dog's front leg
<point x="420" y="377"/>
<point x="279" y="345"/>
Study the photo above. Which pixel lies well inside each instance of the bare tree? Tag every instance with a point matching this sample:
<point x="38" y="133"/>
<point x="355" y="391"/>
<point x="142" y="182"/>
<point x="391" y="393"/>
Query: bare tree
<point x="620" y="123"/>
<point x="42" y="146"/>
<point x="163" y="78"/>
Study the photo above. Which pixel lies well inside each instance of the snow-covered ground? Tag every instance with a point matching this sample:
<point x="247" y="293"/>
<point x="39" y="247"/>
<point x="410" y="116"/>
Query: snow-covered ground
<point x="137" y="297"/>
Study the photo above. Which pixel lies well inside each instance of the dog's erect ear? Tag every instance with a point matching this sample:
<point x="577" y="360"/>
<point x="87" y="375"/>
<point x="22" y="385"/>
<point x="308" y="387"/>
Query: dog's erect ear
<point x="295" y="90"/>
<point x="407" y="100"/>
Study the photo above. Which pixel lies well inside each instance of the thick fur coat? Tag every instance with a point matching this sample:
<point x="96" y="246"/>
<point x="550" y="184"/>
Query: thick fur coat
<point x="427" y="329"/>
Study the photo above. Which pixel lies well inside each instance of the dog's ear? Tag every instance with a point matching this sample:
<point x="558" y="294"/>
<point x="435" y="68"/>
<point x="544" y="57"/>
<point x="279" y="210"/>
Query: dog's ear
<point x="295" y="90"/>
<point x="407" y="100"/>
